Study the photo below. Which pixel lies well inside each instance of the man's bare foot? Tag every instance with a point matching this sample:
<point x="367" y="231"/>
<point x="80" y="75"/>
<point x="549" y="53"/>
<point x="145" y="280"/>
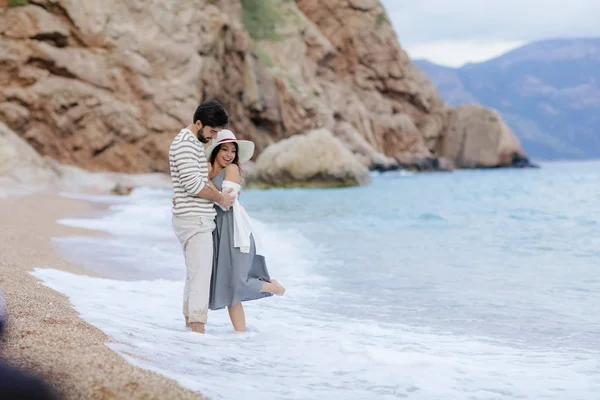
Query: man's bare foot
<point x="278" y="288"/>
<point x="197" y="327"/>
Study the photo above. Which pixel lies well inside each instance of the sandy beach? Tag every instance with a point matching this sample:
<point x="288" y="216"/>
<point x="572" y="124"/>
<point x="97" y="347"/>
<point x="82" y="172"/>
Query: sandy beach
<point x="45" y="335"/>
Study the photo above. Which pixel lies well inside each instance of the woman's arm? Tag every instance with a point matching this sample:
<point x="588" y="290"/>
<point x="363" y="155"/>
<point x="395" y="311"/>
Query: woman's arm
<point x="232" y="174"/>
<point x="233" y="179"/>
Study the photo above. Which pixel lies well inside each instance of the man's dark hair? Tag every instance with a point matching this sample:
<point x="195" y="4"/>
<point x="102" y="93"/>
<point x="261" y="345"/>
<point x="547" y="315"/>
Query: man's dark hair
<point x="211" y="113"/>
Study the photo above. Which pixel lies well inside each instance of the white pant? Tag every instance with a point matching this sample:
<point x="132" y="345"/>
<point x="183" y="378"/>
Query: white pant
<point x="195" y="236"/>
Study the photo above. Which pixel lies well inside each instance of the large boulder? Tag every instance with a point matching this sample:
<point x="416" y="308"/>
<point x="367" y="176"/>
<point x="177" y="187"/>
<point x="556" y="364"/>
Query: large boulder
<point x="316" y="159"/>
<point x="477" y="137"/>
<point x="20" y="163"/>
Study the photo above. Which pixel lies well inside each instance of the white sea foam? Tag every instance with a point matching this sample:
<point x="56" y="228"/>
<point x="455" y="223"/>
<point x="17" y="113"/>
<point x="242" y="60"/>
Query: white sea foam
<point x="298" y="346"/>
<point x="292" y="352"/>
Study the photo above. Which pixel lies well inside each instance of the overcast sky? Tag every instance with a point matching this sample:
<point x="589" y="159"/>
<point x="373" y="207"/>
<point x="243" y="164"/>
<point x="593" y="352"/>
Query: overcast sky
<point x="454" y="32"/>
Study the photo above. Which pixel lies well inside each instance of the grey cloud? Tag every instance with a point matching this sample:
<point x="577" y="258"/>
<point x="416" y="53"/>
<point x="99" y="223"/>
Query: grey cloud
<point x="432" y="20"/>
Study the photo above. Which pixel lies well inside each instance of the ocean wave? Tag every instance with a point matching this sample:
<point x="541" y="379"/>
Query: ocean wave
<point x="419" y="288"/>
<point x="292" y="353"/>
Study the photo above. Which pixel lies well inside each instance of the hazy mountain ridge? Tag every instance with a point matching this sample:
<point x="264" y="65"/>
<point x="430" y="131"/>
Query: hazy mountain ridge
<point x="548" y="92"/>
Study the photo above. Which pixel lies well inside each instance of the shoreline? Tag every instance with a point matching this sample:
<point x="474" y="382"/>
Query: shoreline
<point x="45" y="335"/>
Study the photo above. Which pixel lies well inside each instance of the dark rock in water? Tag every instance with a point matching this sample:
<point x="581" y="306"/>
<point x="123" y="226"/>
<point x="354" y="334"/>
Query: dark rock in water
<point x="442" y="164"/>
<point x="427" y="164"/>
<point x="516" y="161"/>
<point x="121" y="190"/>
<point x="385" y="167"/>
<point x="519" y="161"/>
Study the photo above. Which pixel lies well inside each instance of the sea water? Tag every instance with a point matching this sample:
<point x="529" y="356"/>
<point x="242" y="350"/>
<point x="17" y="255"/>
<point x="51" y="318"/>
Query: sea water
<point x="463" y="285"/>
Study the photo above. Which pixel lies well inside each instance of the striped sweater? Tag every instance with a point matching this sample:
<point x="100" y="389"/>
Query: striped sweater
<point x="189" y="174"/>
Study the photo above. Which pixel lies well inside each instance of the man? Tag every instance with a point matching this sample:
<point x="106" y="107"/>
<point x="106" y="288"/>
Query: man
<point x="193" y="209"/>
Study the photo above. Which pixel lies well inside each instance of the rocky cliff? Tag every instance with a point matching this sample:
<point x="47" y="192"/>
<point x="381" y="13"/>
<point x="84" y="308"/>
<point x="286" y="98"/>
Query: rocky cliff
<point x="106" y="85"/>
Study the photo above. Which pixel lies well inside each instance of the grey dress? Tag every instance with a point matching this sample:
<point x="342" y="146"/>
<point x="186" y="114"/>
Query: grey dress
<point x="236" y="276"/>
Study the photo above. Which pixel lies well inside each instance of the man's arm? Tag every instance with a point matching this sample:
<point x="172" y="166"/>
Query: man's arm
<point x="209" y="193"/>
<point x="192" y="174"/>
<point x="224" y="198"/>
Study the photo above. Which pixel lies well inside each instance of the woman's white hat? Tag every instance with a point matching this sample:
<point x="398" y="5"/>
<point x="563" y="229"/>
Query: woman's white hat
<point x="245" y="147"/>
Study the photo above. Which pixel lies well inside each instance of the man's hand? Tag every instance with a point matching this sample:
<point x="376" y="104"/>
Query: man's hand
<point x="227" y="199"/>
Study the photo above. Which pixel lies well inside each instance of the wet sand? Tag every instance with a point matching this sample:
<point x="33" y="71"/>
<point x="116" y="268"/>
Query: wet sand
<point x="45" y="335"/>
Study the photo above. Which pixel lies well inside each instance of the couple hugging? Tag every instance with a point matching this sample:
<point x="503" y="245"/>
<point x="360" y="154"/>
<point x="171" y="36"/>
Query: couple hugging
<point x="223" y="256"/>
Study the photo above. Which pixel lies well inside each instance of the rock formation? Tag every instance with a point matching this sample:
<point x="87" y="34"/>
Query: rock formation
<point x="317" y="159"/>
<point x="23" y="170"/>
<point x="106" y="85"/>
<point x="22" y="164"/>
<point x="478" y="138"/>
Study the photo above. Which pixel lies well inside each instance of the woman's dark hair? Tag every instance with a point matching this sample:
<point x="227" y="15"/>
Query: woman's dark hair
<point x="211" y="113"/>
<point x="236" y="159"/>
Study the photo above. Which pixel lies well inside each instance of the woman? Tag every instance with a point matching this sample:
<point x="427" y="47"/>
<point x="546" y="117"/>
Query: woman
<point x="239" y="269"/>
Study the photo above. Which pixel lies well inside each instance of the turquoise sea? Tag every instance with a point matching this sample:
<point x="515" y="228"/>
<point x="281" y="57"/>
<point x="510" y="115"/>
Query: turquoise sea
<point x="465" y="285"/>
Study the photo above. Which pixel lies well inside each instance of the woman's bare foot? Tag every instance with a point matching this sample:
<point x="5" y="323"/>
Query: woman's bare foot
<point x="278" y="288"/>
<point x="273" y="287"/>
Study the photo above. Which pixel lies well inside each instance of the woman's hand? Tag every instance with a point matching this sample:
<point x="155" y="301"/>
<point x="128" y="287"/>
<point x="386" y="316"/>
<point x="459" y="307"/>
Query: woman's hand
<point x="174" y="201"/>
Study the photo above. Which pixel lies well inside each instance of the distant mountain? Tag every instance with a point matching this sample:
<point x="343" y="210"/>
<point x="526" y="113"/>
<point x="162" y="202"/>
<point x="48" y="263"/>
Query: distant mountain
<point x="548" y="92"/>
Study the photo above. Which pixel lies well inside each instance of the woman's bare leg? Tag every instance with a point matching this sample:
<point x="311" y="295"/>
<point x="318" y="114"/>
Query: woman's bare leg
<point x="237" y="316"/>
<point x="273" y="287"/>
